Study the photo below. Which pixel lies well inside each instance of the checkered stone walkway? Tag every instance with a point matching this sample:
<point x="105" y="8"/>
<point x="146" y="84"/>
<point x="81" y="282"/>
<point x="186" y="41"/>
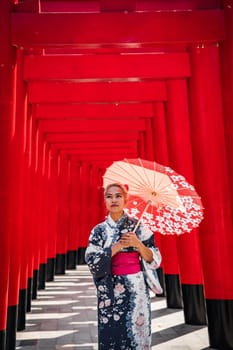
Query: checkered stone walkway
<point x="63" y="317"/>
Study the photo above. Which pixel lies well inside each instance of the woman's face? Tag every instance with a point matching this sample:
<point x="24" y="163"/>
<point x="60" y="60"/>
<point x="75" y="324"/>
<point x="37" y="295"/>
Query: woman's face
<point x="115" y="200"/>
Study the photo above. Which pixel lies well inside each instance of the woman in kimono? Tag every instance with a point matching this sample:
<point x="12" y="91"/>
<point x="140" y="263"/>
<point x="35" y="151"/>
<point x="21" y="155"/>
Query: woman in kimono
<point x="114" y="256"/>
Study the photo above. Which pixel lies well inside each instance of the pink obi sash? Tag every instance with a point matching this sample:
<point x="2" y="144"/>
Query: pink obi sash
<point x="125" y="263"/>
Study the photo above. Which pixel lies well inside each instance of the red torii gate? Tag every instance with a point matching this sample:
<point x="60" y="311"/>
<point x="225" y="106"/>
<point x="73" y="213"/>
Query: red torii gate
<point x="112" y="67"/>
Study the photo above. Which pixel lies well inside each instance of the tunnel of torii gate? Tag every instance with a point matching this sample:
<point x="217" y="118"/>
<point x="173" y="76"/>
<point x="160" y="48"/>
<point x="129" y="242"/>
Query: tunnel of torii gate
<point x="86" y="83"/>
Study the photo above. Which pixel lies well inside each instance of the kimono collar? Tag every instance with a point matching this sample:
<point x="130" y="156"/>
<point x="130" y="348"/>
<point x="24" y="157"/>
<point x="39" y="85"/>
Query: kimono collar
<point x="113" y="223"/>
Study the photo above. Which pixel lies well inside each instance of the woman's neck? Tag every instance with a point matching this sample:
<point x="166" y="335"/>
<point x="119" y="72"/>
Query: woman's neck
<point x="116" y="216"/>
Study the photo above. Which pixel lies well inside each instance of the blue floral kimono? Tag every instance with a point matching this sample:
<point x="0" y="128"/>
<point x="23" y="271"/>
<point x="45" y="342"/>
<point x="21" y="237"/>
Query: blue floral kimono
<point x="124" y="316"/>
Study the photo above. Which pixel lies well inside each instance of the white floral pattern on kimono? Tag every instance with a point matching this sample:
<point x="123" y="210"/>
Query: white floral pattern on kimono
<point x="124" y="316"/>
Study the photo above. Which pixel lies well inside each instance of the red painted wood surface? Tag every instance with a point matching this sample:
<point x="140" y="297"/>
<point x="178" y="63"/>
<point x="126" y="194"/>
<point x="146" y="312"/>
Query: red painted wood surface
<point x="143" y="66"/>
<point x="210" y="164"/>
<point x="99" y="29"/>
<point x="104" y="92"/>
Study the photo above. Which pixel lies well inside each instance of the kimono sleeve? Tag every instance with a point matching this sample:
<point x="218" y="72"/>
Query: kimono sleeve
<point x="149" y="268"/>
<point x="98" y="257"/>
<point x="148" y="240"/>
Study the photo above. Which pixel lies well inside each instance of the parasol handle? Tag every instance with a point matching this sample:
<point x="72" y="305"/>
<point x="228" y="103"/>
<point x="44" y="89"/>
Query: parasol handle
<point x="147" y="205"/>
